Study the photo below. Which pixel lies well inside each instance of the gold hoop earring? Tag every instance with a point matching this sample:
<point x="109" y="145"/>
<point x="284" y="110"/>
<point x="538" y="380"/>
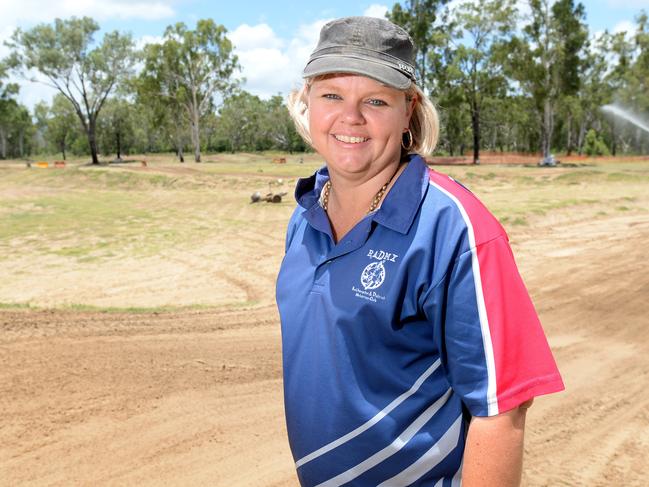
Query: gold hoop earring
<point x="411" y="141"/>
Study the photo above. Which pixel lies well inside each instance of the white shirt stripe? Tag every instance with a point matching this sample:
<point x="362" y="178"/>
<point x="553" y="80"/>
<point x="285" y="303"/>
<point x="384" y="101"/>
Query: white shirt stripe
<point x="492" y="399"/>
<point x="391" y="449"/>
<point x="371" y="422"/>
<point x="438" y="452"/>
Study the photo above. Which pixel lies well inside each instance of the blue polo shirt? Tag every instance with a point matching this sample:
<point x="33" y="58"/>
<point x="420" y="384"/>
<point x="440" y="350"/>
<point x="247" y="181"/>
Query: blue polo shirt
<point x="416" y="320"/>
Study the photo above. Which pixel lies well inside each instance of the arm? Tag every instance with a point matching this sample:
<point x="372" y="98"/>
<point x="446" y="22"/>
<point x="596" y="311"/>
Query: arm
<point x="494" y="449"/>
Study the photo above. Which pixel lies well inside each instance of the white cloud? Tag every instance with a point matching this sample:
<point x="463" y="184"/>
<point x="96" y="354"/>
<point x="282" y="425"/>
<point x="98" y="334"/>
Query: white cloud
<point x="455" y="4"/>
<point x="5" y="34"/>
<point x="524" y="12"/>
<point x="27" y="13"/>
<point x="34" y="11"/>
<point x="144" y="40"/>
<point x="246" y="37"/>
<point x="376" y="10"/>
<point x="265" y="70"/>
<point x="310" y="33"/>
<point x="625" y="26"/>
<point x="271" y="64"/>
<point x="32" y="93"/>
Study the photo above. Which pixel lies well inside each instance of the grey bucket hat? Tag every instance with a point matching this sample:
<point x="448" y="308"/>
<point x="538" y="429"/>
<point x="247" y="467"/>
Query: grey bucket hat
<point x="368" y="46"/>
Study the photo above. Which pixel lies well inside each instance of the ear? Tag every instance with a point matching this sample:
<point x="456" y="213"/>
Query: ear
<point x="410" y="107"/>
<point x="304" y="93"/>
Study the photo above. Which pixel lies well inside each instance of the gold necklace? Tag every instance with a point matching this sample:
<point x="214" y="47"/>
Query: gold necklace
<point x="326" y="189"/>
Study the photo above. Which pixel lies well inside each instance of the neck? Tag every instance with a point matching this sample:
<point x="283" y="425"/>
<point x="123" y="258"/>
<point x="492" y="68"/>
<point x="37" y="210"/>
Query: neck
<point x="350" y="200"/>
<point x="351" y="195"/>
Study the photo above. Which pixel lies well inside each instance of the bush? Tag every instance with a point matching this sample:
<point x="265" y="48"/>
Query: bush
<point x="594" y="145"/>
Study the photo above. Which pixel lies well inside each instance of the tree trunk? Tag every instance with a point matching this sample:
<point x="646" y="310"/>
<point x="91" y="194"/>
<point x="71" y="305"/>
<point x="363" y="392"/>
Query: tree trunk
<point x="21" y="143"/>
<point x="63" y="149"/>
<point x="92" y="140"/>
<point x="424" y="55"/>
<point x="197" y="144"/>
<point x="569" y="142"/>
<point x="547" y="127"/>
<point x="475" y="125"/>
<point x="195" y="122"/>
<point x="119" y="145"/>
<point x="581" y="137"/>
<point x="3" y="144"/>
<point x="178" y="142"/>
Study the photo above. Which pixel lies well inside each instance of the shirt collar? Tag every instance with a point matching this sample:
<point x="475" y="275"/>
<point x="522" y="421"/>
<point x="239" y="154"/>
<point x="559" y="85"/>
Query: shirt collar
<point x="400" y="205"/>
<point x="398" y="209"/>
<point x="307" y="191"/>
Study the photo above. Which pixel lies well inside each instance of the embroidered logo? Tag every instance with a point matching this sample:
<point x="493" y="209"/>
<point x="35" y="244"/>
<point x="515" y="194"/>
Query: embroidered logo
<point x="373" y="275"/>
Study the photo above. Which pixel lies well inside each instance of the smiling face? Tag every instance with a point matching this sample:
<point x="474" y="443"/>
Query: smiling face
<point x="357" y="124"/>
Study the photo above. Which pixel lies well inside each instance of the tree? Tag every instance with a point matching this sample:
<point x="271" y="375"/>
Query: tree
<point x="8" y="111"/>
<point x="165" y="119"/>
<point x="595" y="90"/>
<point x="483" y="26"/>
<point x="617" y="73"/>
<point x="241" y="120"/>
<point x="117" y="123"/>
<point x="594" y="145"/>
<point x="418" y="18"/>
<point x="59" y="122"/>
<point x="547" y="60"/>
<point x="279" y="127"/>
<point x="62" y="53"/>
<point x="15" y="122"/>
<point x="454" y="119"/>
<point x="190" y="68"/>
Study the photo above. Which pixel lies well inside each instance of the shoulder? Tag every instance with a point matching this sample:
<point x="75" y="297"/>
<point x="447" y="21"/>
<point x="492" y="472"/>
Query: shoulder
<point x="447" y="199"/>
<point x="297" y="218"/>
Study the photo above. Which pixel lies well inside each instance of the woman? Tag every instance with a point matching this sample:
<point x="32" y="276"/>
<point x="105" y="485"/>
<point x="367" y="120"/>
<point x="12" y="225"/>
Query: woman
<point x="411" y="349"/>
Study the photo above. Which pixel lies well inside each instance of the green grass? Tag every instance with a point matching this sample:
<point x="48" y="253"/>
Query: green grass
<point x="13" y="306"/>
<point x="519" y="221"/>
<point x="95" y="221"/>
<point x="127" y="309"/>
<point x="84" y="216"/>
<point x="517" y="194"/>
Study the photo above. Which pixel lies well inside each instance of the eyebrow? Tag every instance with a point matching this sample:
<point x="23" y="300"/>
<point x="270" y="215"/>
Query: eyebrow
<point x="325" y="85"/>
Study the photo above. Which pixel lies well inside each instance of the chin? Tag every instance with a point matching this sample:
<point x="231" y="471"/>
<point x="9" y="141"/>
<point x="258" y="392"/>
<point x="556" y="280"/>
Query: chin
<point x="349" y="165"/>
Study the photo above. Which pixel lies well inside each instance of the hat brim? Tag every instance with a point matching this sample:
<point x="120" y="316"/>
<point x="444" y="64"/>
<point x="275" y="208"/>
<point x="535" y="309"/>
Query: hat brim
<point x="354" y="65"/>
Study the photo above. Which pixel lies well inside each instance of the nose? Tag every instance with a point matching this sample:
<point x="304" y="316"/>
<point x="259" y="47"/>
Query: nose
<point x="352" y="113"/>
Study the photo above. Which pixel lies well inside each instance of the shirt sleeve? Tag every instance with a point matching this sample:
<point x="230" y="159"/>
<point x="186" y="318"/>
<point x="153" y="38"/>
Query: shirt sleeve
<point x="492" y="344"/>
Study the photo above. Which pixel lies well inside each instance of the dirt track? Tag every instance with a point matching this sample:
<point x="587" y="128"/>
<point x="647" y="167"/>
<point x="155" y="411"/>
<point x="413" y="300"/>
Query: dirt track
<point x="194" y="398"/>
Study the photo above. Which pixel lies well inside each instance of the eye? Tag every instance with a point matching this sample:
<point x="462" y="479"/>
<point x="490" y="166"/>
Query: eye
<point x="331" y="96"/>
<point x="376" y="102"/>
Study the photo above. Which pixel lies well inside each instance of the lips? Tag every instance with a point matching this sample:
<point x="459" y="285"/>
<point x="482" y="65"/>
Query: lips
<point x="349" y="139"/>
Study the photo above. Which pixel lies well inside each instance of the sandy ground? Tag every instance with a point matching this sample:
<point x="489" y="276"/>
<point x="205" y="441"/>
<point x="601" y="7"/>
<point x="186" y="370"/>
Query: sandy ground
<point x="194" y="397"/>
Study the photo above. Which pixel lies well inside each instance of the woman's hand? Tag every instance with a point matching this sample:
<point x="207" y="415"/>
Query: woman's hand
<point x="493" y="456"/>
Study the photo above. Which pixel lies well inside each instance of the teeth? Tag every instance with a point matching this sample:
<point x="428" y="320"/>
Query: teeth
<point x="350" y="140"/>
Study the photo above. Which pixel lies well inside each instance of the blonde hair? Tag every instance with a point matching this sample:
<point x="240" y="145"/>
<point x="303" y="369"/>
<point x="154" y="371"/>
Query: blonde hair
<point x="424" y="122"/>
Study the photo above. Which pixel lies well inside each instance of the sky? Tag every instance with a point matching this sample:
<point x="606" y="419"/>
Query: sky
<point x="272" y="39"/>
